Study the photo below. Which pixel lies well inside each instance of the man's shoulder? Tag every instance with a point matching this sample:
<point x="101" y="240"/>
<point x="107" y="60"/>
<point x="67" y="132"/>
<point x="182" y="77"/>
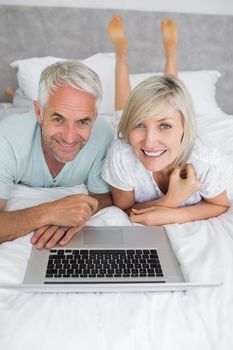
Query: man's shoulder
<point x="102" y="131"/>
<point x="17" y="124"/>
<point x="18" y="131"/>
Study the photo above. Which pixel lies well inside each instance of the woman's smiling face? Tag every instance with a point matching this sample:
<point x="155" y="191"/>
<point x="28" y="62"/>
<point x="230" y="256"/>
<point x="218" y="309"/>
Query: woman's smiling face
<point x="157" y="140"/>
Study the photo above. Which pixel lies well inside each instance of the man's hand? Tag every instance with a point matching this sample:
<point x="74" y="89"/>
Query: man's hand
<point x="183" y="184"/>
<point x="66" y="216"/>
<point x="72" y="210"/>
<point x="49" y="236"/>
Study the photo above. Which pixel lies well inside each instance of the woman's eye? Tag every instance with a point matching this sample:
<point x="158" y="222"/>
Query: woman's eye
<point x="139" y="125"/>
<point x="165" y="126"/>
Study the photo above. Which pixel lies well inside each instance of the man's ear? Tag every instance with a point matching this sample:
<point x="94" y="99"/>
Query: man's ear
<point x="96" y="115"/>
<point x="38" y="112"/>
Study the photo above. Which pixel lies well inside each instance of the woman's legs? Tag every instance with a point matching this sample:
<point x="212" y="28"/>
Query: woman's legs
<point x="116" y="32"/>
<point x="170" y="37"/>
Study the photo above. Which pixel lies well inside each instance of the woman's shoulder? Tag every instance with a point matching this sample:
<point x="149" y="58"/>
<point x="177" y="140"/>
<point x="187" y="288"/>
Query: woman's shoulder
<point x="120" y="146"/>
<point x="204" y="152"/>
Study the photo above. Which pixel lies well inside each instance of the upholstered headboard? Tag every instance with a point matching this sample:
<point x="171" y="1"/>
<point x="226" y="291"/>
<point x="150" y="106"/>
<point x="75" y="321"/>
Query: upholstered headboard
<point x="205" y="41"/>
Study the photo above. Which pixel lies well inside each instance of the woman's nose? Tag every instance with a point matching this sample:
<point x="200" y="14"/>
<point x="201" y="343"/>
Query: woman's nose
<point x="151" y="137"/>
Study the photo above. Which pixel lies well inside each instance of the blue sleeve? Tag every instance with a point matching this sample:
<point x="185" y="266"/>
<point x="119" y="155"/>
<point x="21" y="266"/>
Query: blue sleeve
<point x="8" y="168"/>
<point x="103" y="137"/>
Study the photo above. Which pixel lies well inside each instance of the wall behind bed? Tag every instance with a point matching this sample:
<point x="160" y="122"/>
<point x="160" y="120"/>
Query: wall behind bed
<point x="224" y="7"/>
<point x="205" y="40"/>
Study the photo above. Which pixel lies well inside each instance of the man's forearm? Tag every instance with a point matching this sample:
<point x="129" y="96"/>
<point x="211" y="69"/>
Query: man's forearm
<point x="17" y="223"/>
<point x="70" y="211"/>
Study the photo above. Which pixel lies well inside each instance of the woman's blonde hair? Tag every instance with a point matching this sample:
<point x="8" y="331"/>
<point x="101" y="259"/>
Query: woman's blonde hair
<point x="153" y="96"/>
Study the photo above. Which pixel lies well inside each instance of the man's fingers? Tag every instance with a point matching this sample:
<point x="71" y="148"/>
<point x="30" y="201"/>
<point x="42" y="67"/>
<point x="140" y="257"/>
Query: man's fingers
<point x="93" y="203"/>
<point x="56" y="237"/>
<point x="70" y="234"/>
<point x="45" y="237"/>
<point x="37" y="234"/>
<point x="88" y="203"/>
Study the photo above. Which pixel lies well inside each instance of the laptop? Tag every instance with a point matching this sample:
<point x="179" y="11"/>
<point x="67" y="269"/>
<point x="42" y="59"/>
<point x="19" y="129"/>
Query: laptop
<point x="108" y="259"/>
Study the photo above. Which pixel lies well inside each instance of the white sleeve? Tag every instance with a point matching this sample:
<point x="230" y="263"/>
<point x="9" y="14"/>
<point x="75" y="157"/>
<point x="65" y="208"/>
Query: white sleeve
<point x="217" y="176"/>
<point x="117" y="168"/>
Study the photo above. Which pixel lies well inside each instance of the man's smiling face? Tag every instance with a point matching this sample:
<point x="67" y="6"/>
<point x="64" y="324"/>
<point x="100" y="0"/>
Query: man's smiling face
<point x="66" y="123"/>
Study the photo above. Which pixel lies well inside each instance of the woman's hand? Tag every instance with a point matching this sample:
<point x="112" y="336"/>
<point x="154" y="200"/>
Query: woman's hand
<point x="183" y="184"/>
<point x="154" y="216"/>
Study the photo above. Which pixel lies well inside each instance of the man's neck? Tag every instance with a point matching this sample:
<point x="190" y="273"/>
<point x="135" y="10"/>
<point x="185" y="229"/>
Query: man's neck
<point x="54" y="166"/>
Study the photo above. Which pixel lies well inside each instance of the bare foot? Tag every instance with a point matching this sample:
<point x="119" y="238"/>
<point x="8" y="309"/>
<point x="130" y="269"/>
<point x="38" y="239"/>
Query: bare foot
<point x="9" y="92"/>
<point x="116" y="32"/>
<point x="169" y="34"/>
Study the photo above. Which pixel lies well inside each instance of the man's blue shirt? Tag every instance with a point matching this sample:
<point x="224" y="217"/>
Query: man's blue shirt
<point x="22" y="160"/>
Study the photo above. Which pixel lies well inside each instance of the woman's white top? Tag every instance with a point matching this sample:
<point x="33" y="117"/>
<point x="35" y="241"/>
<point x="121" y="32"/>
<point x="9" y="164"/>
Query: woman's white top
<point x="123" y="170"/>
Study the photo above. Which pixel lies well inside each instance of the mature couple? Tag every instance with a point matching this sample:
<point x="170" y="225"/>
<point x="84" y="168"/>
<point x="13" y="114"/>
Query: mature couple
<point x="63" y="142"/>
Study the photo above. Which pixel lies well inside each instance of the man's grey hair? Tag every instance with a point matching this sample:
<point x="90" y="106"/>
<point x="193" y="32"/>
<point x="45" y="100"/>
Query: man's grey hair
<point x="71" y="73"/>
<point x="153" y="96"/>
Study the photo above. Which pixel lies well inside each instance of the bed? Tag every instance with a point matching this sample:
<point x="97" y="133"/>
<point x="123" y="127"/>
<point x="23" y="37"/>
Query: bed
<point x="201" y="318"/>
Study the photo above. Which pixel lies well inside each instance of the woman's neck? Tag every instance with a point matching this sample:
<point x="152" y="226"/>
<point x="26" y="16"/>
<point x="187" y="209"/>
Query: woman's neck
<point x="162" y="179"/>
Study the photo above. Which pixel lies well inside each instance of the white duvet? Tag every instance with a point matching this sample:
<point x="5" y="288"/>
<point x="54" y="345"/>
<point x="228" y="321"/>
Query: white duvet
<point x="198" y="319"/>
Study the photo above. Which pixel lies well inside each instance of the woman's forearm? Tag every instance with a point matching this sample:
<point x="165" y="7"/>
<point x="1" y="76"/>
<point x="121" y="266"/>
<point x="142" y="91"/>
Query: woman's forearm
<point x="165" y="201"/>
<point x="200" y="211"/>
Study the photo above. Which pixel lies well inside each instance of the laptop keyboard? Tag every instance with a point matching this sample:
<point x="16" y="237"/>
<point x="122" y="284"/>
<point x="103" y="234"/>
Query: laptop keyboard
<point x="74" y="263"/>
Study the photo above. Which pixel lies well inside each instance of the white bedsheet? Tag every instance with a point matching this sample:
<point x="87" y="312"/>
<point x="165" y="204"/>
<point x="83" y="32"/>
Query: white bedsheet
<point x="198" y="319"/>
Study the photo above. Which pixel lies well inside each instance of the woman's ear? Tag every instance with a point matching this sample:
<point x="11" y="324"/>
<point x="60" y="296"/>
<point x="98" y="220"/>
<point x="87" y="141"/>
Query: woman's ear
<point x="38" y="112"/>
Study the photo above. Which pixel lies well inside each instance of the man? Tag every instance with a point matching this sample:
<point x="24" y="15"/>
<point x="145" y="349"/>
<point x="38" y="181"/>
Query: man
<point x="61" y="143"/>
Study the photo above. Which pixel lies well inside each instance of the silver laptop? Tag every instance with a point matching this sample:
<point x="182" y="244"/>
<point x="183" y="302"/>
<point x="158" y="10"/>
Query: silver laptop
<point x="108" y="259"/>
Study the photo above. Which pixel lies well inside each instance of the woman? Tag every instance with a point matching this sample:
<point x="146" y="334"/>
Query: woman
<point x="158" y="170"/>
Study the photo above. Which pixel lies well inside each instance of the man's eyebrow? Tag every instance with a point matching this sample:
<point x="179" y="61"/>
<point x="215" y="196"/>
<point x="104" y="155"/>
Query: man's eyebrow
<point x="84" y="119"/>
<point x="55" y="114"/>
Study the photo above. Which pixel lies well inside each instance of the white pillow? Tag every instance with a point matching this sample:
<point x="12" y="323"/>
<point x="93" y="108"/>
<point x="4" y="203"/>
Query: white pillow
<point x="104" y="65"/>
<point x="200" y="84"/>
<point x="29" y="71"/>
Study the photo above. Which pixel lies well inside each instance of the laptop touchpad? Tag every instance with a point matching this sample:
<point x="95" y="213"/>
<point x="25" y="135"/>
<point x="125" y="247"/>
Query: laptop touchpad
<point x="109" y="236"/>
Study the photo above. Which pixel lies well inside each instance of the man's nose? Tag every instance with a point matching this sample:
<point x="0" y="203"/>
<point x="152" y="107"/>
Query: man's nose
<point x="69" y="134"/>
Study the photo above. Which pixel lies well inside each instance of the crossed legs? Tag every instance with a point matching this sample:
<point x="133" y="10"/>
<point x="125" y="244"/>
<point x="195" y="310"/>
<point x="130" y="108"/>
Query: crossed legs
<point x="116" y="32"/>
